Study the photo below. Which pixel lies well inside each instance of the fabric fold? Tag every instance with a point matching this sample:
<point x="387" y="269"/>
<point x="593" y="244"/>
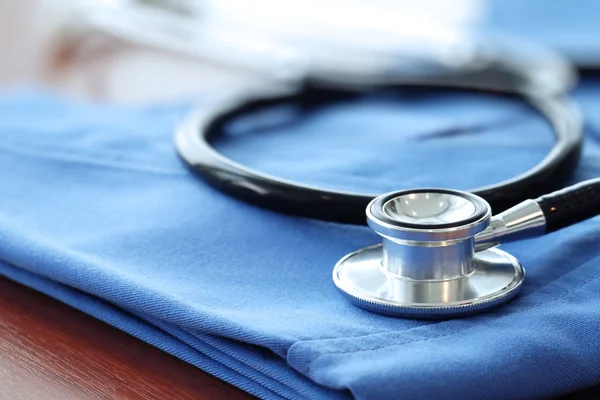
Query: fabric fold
<point x="97" y="211"/>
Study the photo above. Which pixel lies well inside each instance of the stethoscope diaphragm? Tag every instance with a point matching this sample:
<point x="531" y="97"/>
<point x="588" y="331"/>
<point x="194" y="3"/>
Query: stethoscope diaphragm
<point x="426" y="266"/>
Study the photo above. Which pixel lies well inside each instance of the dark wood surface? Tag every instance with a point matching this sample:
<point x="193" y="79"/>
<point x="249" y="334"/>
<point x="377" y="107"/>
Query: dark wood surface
<point x="51" y="351"/>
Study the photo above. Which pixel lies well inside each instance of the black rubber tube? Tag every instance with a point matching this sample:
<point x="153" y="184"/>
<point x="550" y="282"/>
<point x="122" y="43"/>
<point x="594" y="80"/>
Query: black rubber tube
<point x="571" y="205"/>
<point x="194" y="144"/>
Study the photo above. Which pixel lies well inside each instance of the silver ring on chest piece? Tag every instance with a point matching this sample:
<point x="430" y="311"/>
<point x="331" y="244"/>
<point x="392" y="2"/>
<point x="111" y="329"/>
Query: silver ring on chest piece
<point x="427" y="266"/>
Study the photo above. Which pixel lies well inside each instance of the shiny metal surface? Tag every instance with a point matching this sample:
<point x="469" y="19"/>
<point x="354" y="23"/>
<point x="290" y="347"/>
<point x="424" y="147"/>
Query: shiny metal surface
<point x="427" y="266"/>
<point x="429" y="208"/>
<point x="397" y="225"/>
<point x="443" y="249"/>
<point x="428" y="262"/>
<point x="522" y="221"/>
<point x="495" y="278"/>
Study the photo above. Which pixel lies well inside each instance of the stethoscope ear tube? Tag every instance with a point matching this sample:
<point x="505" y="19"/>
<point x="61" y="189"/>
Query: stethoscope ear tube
<point x="571" y="205"/>
<point x="195" y="135"/>
<point x="546" y="214"/>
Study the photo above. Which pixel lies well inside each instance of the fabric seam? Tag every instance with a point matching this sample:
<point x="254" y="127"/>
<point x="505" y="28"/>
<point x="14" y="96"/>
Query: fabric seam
<point x="535" y="305"/>
<point x="91" y="162"/>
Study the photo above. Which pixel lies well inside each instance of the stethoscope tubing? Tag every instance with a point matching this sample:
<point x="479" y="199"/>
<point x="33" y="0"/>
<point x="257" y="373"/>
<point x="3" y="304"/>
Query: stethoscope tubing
<point x="195" y="136"/>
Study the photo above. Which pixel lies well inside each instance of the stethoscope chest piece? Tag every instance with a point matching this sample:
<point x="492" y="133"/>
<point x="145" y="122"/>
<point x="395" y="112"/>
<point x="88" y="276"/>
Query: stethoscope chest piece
<point x="427" y="266"/>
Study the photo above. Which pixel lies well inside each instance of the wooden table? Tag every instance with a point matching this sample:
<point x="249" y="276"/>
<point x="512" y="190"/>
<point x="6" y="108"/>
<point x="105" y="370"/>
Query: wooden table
<point x="51" y="351"/>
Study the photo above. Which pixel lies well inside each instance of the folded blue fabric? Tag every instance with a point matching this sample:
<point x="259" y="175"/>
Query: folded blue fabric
<point x="97" y="211"/>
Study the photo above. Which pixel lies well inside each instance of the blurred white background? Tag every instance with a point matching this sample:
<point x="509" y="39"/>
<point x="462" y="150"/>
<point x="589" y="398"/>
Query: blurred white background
<point x="158" y="50"/>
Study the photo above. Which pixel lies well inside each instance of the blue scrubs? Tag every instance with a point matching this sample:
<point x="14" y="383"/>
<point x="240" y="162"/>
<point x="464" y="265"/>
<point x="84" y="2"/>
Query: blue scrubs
<point x="97" y="211"/>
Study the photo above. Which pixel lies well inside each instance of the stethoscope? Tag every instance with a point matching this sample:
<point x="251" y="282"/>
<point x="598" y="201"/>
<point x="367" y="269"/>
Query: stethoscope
<point x="438" y="256"/>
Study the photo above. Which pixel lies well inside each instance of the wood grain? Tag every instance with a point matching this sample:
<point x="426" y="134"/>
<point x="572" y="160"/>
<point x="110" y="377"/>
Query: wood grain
<point x="51" y="351"/>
